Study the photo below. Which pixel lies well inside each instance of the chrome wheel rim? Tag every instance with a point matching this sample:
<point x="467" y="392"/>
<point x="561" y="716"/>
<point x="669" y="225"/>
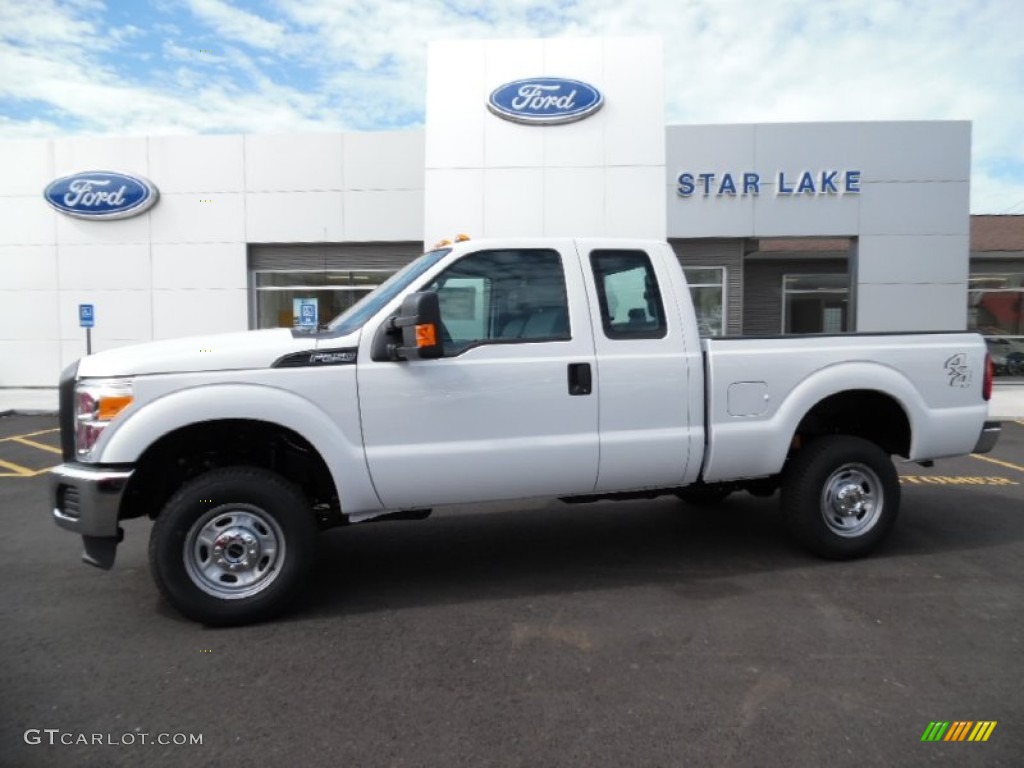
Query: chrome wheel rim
<point x="234" y="551"/>
<point x="852" y="500"/>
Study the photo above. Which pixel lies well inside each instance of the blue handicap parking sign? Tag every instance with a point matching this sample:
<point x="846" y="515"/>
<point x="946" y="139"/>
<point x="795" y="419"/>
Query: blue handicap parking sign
<point x="308" y="313"/>
<point x="86" y="316"/>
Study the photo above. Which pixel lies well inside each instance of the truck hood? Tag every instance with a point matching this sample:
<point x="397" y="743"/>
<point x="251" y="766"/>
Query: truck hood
<point x="221" y="352"/>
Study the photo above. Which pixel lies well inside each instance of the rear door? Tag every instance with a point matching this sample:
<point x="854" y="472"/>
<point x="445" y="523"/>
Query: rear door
<point x="508" y="412"/>
<point x="647" y="433"/>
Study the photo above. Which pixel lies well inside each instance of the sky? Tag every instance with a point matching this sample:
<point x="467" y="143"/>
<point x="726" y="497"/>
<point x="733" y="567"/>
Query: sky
<point x="156" y="67"/>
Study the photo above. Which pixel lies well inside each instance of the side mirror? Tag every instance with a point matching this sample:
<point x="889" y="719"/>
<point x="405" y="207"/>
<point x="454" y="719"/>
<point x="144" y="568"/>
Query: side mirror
<point x="419" y="321"/>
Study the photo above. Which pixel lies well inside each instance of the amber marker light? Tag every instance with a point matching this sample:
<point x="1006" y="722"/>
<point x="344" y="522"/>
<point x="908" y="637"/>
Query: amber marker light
<point x="426" y="335"/>
<point x="111" y="405"/>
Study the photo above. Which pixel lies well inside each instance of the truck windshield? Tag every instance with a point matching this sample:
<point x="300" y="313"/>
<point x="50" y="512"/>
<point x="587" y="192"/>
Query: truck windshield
<point x="353" y="318"/>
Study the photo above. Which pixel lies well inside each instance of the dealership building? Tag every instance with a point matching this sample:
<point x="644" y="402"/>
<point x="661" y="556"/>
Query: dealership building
<point x="781" y="228"/>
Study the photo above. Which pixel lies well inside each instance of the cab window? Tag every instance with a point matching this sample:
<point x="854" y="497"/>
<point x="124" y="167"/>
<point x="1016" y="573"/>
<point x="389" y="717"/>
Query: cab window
<point x="503" y="296"/>
<point x="628" y="294"/>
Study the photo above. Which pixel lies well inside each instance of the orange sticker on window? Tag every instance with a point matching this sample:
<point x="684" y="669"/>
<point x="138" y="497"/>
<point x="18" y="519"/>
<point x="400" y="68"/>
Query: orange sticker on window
<point x="426" y="335"/>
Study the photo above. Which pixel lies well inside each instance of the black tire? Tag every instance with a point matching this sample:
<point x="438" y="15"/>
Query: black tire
<point x="840" y="496"/>
<point x="233" y="546"/>
<point x="704" y="495"/>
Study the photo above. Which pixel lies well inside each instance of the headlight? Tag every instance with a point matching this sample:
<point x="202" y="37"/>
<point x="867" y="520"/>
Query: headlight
<point x="97" y="403"/>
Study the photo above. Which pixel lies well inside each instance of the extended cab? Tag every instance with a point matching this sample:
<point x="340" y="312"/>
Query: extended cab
<point x="490" y="370"/>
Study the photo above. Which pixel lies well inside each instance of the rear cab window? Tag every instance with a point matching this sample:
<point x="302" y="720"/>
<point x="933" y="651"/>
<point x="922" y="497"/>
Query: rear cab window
<point x="628" y="294"/>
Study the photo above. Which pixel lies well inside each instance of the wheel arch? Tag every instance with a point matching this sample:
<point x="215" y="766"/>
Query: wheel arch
<point x="210" y="415"/>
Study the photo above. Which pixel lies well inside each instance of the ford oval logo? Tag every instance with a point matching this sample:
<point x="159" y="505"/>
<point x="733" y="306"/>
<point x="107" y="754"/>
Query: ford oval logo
<point x="545" y="100"/>
<point x="101" y="195"/>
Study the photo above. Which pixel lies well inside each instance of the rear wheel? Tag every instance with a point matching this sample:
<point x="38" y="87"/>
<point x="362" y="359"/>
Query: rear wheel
<point x="233" y="546"/>
<point x="841" y="496"/>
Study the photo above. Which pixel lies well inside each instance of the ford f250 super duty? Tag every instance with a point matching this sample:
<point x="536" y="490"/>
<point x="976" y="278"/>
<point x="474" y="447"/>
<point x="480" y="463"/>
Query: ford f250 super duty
<point x="490" y="370"/>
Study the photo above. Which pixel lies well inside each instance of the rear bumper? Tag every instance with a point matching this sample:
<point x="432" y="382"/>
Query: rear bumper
<point x="86" y="500"/>
<point x="988" y="437"/>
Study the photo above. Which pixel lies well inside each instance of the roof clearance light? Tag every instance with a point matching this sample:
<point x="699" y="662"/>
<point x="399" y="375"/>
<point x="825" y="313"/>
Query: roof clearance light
<point x="461" y="238"/>
<point x="442" y="243"/>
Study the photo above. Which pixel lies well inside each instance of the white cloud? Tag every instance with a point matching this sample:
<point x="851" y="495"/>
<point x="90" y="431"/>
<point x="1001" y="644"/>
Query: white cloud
<point x="235" y="24"/>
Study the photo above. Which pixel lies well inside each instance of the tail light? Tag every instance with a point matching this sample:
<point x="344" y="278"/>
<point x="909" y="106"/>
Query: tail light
<point x="986" y="388"/>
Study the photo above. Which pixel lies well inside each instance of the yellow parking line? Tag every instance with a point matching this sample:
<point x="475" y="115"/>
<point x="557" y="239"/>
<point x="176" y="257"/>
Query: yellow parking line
<point x="44" y="470"/>
<point x="19" y="471"/>
<point x="29" y="434"/>
<point x="34" y="444"/>
<point x="1001" y="463"/>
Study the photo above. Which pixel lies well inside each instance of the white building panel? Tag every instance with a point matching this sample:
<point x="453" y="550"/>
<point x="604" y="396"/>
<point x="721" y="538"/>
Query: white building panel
<point x="199" y="265"/>
<point x="198" y="312"/>
<point x="293" y="217"/>
<point x="372" y="216"/>
<point x="104" y="267"/>
<point x="28" y="315"/>
<point x="288" y="163"/>
<point x="215" y="217"/>
<point x="511" y="145"/>
<point x="634" y="201"/>
<point x="634" y="115"/>
<point x="388" y="160"/>
<point x="120" y="315"/>
<point x="454" y="203"/>
<point x="456" y="93"/>
<point x="27" y="167"/>
<point x="197" y="163"/>
<point x="514" y="202"/>
<point x="27" y="221"/>
<point x="27" y="363"/>
<point x="72" y="231"/>
<point x="128" y="155"/>
<point x="28" y="268"/>
<point x="574" y="202"/>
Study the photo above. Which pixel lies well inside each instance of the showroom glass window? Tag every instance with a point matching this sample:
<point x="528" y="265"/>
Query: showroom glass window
<point x="995" y="308"/>
<point x="815" y="303"/>
<point x="707" y="289"/>
<point x="279" y="291"/>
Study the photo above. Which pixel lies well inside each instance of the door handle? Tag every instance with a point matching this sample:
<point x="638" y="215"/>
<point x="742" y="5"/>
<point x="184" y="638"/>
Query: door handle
<point x="580" y="380"/>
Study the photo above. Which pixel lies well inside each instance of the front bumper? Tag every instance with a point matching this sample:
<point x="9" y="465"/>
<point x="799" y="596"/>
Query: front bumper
<point x="86" y="500"/>
<point x="988" y="437"/>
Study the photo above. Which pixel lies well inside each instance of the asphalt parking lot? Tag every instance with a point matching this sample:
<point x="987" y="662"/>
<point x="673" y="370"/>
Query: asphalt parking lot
<point x="535" y="634"/>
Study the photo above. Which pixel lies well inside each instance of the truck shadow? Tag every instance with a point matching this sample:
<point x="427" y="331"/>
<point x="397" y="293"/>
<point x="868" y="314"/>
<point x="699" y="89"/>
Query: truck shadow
<point x="462" y="556"/>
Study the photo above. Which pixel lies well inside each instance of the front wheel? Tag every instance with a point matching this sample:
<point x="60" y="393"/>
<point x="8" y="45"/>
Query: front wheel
<point x="233" y="546"/>
<point x="841" y="496"/>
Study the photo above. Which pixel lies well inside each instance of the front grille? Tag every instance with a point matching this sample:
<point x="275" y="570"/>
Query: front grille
<point x="68" y="502"/>
<point x="67" y="411"/>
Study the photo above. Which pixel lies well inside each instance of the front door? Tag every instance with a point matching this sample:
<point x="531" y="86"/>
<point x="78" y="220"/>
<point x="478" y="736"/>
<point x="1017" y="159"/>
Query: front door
<point x="507" y="412"/>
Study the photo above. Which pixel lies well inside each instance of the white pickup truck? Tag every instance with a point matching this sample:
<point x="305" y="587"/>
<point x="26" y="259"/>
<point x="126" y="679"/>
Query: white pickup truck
<point x="489" y="370"/>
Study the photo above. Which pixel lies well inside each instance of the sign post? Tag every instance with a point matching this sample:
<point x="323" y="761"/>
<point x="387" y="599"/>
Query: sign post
<point x="87" y="320"/>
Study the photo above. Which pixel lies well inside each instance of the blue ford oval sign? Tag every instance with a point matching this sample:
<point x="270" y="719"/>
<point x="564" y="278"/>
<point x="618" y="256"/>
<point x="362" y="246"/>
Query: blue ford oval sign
<point x="545" y="100"/>
<point x="101" y="195"/>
